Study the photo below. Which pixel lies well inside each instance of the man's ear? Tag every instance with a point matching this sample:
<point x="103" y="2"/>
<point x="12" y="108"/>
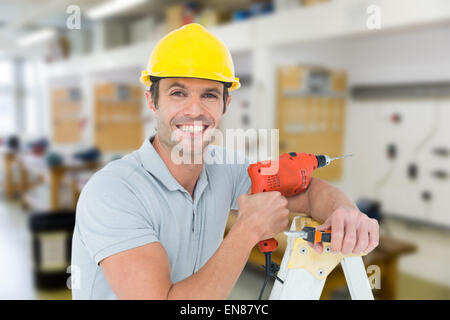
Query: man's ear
<point x="226" y="106"/>
<point x="150" y="103"/>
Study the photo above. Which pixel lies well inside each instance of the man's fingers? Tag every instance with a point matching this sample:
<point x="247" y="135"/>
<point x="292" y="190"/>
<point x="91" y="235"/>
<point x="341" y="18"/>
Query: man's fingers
<point x="374" y="236"/>
<point x="363" y="238"/>
<point x="326" y="225"/>
<point x="337" y="234"/>
<point x="318" y="247"/>
<point x="349" y="239"/>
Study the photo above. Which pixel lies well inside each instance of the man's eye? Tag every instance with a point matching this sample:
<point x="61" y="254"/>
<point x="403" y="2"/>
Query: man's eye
<point x="177" y="93"/>
<point x="210" y="96"/>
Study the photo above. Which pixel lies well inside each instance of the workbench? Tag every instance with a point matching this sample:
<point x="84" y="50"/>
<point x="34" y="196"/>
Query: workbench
<point x="54" y="175"/>
<point x="9" y="159"/>
<point x="385" y="256"/>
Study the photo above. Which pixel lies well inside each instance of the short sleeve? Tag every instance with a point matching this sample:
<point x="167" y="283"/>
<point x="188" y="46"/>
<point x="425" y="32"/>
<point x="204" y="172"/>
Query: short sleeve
<point x="110" y="218"/>
<point x="241" y="182"/>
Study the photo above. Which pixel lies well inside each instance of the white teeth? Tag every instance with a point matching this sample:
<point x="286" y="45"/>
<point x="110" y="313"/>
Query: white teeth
<point x="193" y="129"/>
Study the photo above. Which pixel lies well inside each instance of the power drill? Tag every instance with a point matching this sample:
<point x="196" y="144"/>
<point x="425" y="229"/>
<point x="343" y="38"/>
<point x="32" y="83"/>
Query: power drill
<point x="292" y="176"/>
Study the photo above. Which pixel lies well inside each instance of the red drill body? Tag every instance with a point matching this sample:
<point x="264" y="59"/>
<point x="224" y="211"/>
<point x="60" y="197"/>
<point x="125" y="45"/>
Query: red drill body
<point x="292" y="174"/>
<point x="292" y="177"/>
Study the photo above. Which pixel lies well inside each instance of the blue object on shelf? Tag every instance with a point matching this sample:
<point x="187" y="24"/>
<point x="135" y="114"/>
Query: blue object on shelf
<point x="13" y="143"/>
<point x="258" y="9"/>
<point x="371" y="208"/>
<point x="241" y="15"/>
<point x="54" y="159"/>
<point x="90" y="155"/>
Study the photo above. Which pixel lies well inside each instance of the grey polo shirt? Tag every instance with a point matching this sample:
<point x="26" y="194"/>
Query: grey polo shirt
<point x="135" y="200"/>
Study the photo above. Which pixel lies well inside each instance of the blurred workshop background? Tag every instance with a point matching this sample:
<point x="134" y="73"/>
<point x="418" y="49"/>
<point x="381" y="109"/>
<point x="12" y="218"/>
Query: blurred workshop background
<point x="368" y="77"/>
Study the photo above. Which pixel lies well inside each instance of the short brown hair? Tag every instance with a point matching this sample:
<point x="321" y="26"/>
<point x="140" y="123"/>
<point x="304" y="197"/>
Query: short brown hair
<point x="154" y="91"/>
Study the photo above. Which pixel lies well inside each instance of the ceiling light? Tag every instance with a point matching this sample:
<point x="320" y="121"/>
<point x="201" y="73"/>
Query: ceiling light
<point x="111" y="7"/>
<point x="36" y="37"/>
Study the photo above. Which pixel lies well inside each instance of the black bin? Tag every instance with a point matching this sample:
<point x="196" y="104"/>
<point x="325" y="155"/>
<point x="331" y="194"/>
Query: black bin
<point x="372" y="208"/>
<point x="52" y="244"/>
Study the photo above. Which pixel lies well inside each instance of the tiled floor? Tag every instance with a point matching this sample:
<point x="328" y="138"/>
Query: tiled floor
<point x="16" y="280"/>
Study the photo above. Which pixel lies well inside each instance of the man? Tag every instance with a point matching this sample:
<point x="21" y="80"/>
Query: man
<point x="149" y="227"/>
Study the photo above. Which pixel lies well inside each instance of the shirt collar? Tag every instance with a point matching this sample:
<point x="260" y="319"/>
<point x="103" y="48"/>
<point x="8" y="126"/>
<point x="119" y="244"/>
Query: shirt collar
<point x="152" y="163"/>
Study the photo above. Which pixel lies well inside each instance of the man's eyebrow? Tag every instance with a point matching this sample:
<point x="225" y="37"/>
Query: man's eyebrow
<point x="213" y="90"/>
<point x="176" y="84"/>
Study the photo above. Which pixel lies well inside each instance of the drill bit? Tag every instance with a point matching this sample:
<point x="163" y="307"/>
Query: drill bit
<point x="324" y="160"/>
<point x="344" y="156"/>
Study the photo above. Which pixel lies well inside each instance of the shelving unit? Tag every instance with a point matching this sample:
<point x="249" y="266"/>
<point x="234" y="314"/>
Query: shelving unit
<point x="311" y="112"/>
<point x="66" y="109"/>
<point x="344" y="18"/>
<point x="118" y="120"/>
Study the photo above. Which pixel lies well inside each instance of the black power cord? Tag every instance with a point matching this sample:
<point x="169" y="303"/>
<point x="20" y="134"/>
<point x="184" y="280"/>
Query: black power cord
<point x="271" y="271"/>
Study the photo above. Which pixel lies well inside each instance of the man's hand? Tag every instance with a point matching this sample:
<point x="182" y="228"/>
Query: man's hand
<point x="264" y="214"/>
<point x="351" y="231"/>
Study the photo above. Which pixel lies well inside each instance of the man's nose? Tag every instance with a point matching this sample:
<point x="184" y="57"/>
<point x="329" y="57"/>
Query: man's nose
<point x="193" y="107"/>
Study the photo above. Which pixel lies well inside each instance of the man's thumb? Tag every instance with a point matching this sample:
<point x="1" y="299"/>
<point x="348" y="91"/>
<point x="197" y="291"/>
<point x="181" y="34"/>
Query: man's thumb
<point x="326" y="225"/>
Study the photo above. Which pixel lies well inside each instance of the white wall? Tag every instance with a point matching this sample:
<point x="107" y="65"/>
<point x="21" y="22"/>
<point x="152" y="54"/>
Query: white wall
<point x="410" y="55"/>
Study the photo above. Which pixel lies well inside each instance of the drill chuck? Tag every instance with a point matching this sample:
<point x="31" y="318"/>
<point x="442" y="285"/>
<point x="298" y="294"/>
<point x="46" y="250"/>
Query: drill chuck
<point x="322" y="160"/>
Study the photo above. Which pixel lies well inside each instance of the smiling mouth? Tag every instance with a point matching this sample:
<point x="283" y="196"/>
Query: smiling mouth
<point x="192" y="129"/>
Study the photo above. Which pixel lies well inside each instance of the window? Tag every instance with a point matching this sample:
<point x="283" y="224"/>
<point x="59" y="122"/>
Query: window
<point x="6" y="72"/>
<point x="7" y="110"/>
<point x="31" y="114"/>
<point x="7" y="115"/>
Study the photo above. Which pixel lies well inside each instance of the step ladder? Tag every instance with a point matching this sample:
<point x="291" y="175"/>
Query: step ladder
<point x="304" y="271"/>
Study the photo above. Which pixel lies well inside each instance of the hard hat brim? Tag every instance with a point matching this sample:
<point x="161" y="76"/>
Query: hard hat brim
<point x="146" y="78"/>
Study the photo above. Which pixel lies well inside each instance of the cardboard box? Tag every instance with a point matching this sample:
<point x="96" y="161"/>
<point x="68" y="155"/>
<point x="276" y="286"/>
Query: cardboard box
<point x="174" y="17"/>
<point x="313" y="2"/>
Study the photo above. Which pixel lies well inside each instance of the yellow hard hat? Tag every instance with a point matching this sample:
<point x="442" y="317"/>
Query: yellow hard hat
<point x="192" y="52"/>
